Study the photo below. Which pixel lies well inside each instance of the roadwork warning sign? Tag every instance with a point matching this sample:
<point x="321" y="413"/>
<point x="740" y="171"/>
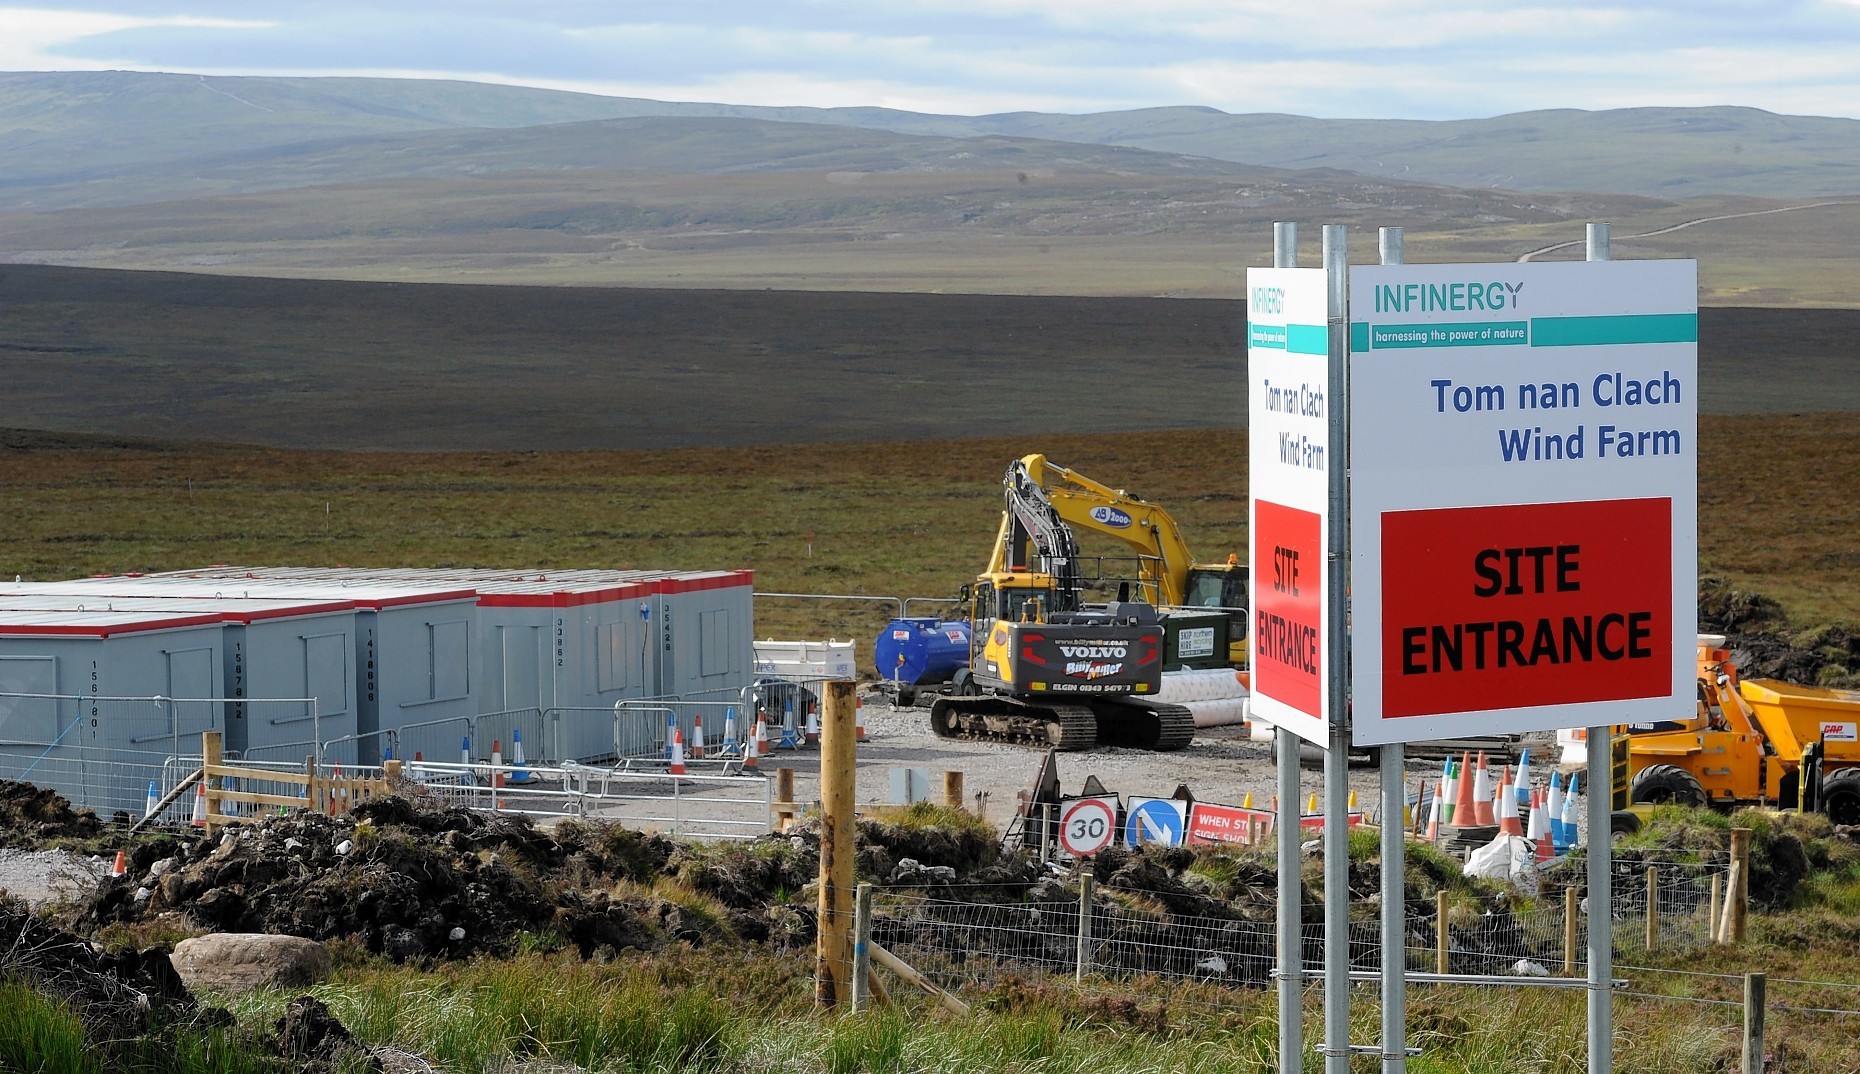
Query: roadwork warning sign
<point x="1523" y="490"/>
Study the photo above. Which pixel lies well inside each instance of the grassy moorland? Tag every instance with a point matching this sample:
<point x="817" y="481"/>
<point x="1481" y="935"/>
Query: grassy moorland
<point x="368" y="367"/>
<point x="904" y="518"/>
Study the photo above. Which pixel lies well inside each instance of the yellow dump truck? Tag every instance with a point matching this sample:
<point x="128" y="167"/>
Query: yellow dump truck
<point x="1752" y="742"/>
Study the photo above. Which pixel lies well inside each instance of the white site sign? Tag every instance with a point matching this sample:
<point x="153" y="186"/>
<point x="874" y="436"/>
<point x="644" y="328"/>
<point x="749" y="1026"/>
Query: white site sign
<point x="1524" y="496"/>
<point x="1289" y="456"/>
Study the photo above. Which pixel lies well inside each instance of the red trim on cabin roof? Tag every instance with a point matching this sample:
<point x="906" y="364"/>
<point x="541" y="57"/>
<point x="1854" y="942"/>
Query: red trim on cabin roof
<point x="378" y="603"/>
<point x="293" y="610"/>
<point x="573" y="599"/>
<point x="723" y="580"/>
<point x="108" y="629"/>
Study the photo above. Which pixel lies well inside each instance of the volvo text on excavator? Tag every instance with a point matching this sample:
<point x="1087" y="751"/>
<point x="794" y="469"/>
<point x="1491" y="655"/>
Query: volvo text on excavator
<point x="1045" y="668"/>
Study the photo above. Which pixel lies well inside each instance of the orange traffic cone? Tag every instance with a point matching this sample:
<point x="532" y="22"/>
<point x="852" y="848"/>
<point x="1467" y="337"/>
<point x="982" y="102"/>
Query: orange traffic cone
<point x="1482" y="794"/>
<point x="678" y="753"/>
<point x="120" y="866"/>
<point x="200" y="804"/>
<point x="697" y="736"/>
<point x="859" y="719"/>
<point x="1465" y="815"/>
<point x="1507" y="806"/>
<point x="752" y="746"/>
<point x="1540" y="828"/>
<point x="1433" y="820"/>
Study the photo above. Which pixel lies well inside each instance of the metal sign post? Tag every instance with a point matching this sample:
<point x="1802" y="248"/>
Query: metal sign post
<point x="1601" y="835"/>
<point x="1394" y="856"/>
<point x="1337" y="680"/>
<point x="1291" y="887"/>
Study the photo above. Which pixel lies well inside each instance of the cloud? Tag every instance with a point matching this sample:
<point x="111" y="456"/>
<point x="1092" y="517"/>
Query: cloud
<point x="31" y="38"/>
<point x="1419" y="58"/>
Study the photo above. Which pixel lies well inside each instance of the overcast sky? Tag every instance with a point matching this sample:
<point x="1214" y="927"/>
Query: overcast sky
<point x="1420" y="59"/>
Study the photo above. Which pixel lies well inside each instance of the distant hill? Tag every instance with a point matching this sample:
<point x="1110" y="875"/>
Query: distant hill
<point x="408" y="180"/>
<point x="75" y="138"/>
<point x="1659" y="152"/>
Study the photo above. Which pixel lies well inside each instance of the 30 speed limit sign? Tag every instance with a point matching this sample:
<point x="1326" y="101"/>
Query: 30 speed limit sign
<point x="1087" y="825"/>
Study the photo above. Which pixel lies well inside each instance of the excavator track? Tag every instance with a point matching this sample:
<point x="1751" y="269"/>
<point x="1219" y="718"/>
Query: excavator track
<point x="1141" y="724"/>
<point x="1068" y="728"/>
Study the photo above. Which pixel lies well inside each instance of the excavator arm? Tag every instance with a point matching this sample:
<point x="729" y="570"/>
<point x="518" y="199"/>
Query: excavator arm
<point x="1035" y="538"/>
<point x="1163" y="559"/>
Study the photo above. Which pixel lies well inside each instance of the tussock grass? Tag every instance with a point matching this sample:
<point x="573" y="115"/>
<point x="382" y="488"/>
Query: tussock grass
<point x="38" y="1033"/>
<point x="686" y="1011"/>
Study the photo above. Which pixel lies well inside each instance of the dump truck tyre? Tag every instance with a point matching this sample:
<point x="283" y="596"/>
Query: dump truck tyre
<point x="1840" y="796"/>
<point x="1662" y="784"/>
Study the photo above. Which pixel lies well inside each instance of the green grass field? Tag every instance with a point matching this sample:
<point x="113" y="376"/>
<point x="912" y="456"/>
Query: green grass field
<point x="891" y="518"/>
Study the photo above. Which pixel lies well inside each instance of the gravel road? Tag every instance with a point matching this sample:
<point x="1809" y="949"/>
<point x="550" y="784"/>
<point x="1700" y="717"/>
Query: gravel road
<point x="1222" y="765"/>
<point x="40" y="876"/>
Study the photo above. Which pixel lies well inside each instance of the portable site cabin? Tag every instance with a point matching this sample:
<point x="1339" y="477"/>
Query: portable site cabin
<point x="400" y="657"/>
<point x="706" y="633"/>
<point x="550" y="651"/>
<point x="572" y="643"/>
<point x="284" y="666"/>
<point x="430" y="655"/>
<point x="61" y="673"/>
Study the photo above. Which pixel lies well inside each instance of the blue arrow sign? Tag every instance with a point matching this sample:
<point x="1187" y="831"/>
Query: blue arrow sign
<point x="1155" y="820"/>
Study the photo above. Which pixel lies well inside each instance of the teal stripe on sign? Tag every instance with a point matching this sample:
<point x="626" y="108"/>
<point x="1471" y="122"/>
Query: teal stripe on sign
<point x="1307" y="339"/>
<point x="1614" y="331"/>
<point x="1359" y="336"/>
<point x="1266" y="336"/>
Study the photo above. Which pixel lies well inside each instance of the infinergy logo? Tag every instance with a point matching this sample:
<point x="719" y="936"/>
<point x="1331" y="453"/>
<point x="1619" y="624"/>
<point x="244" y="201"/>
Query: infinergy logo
<point x="1455" y="297"/>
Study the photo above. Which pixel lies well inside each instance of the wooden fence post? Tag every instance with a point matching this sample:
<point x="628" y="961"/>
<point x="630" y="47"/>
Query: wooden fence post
<point x="784" y="796"/>
<point x="212" y="755"/>
<point x="1569" y="932"/>
<point x="862" y="950"/>
<point x="952" y="791"/>
<point x="838" y="765"/>
<point x="1440" y="931"/>
<point x="1737" y="898"/>
<point x="1753" y="1022"/>
<point x="1714" y="908"/>
<point x="1653" y="905"/>
<point x="1084" y="951"/>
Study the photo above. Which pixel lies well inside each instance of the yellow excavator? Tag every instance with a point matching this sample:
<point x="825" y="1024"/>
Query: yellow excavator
<point x="1045" y="668"/>
<point x="1167" y="575"/>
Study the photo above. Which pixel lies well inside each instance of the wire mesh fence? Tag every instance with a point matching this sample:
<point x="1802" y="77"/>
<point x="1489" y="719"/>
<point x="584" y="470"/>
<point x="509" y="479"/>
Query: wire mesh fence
<point x="963" y="936"/>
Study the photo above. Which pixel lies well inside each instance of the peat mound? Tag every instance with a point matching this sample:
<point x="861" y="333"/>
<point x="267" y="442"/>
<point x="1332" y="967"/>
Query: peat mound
<point x="421" y="882"/>
<point x="128" y="988"/>
<point x="36" y="817"/>
<point x="408" y="881"/>
<point x="416" y="881"/>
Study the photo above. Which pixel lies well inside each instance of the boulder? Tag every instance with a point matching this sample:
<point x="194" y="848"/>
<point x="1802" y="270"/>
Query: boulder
<point x="234" y="961"/>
